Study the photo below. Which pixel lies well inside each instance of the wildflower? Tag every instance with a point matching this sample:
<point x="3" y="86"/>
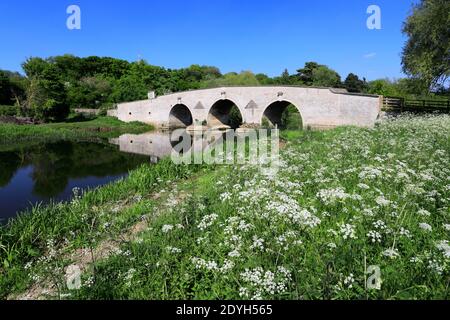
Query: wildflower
<point x="166" y="228"/>
<point x="347" y="231"/>
<point x="374" y="236"/>
<point x="426" y="227"/>
<point x="89" y="282"/>
<point x="363" y="186"/>
<point x="434" y="265"/>
<point x="444" y="247"/>
<point x="329" y="196"/>
<point x="258" y="243"/>
<point x="266" y="282"/>
<point x="405" y="232"/>
<point x="391" y="253"/>
<point x="349" y="281"/>
<point x="207" y="221"/>
<point x="382" y="201"/>
<point x="424" y="213"/>
<point x="379" y="224"/>
<point x="234" y="254"/>
<point x="225" y="196"/>
<point x="331" y="245"/>
<point x="173" y="249"/>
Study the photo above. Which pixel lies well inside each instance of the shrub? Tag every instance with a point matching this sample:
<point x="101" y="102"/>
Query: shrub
<point x="8" y="110"/>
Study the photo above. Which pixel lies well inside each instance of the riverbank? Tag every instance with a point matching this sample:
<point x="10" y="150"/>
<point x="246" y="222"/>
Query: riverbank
<point x="72" y="129"/>
<point x="342" y="201"/>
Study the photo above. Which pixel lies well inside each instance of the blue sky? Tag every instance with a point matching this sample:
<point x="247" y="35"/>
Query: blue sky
<point x="262" y="36"/>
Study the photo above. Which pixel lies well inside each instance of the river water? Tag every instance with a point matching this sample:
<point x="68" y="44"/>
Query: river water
<point x="50" y="171"/>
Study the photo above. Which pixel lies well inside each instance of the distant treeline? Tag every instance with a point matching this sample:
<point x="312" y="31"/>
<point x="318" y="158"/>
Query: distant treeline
<point x="54" y="86"/>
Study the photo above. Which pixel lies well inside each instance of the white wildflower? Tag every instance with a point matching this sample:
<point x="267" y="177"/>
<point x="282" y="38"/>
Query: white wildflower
<point x="391" y="253"/>
<point x="347" y="231"/>
<point x="166" y="228"/>
<point x="425" y="226"/>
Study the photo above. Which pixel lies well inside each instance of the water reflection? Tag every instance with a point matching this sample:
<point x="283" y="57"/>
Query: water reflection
<point x="160" y="144"/>
<point x="50" y="171"/>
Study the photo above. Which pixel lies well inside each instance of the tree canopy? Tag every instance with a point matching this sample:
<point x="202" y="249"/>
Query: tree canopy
<point x="426" y="54"/>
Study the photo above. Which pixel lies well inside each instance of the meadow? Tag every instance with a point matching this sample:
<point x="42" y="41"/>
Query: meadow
<point x="341" y="204"/>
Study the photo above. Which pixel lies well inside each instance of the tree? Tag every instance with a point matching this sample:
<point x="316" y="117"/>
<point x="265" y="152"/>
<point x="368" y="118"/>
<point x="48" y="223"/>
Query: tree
<point x="305" y="75"/>
<point x="384" y="87"/>
<point x="245" y="78"/>
<point x="353" y="84"/>
<point x="314" y="74"/>
<point x="12" y="88"/>
<point x="5" y="96"/>
<point x="46" y="94"/>
<point x="264" y="79"/>
<point x="326" y="77"/>
<point x="426" y="54"/>
<point x="89" y="92"/>
<point x="285" y="78"/>
<point x="46" y="100"/>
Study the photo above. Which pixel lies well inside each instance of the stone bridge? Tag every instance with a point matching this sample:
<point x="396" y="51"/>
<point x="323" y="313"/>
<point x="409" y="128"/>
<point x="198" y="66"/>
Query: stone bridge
<point x="319" y="108"/>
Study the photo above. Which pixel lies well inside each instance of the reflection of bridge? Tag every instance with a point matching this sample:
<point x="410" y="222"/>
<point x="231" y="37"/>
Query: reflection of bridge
<point x="160" y="144"/>
<point x="318" y="107"/>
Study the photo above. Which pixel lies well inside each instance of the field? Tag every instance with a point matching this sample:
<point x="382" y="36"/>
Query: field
<point x="350" y="213"/>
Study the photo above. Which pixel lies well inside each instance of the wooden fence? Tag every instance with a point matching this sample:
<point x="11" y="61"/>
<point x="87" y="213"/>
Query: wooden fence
<point x="402" y="104"/>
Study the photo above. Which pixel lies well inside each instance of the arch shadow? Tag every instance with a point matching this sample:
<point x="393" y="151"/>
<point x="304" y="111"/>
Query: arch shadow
<point x="180" y="116"/>
<point x="276" y="116"/>
<point x="225" y="113"/>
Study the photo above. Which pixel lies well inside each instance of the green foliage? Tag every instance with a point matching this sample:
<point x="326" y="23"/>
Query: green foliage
<point x="75" y="127"/>
<point x="8" y="110"/>
<point x="305" y="75"/>
<point x="12" y="88"/>
<point x="235" y="117"/>
<point x="383" y="87"/>
<point x="291" y="119"/>
<point x="264" y="79"/>
<point x="326" y="77"/>
<point x="353" y="84"/>
<point x="314" y="74"/>
<point x="245" y="78"/>
<point x="90" y="92"/>
<point x="426" y="55"/>
<point x="46" y="100"/>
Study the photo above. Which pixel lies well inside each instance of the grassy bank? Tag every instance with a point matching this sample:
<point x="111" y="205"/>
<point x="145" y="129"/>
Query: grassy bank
<point x="72" y="129"/>
<point x="340" y="202"/>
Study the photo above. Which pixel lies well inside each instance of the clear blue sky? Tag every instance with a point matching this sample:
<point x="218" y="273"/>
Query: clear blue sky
<point x="263" y="36"/>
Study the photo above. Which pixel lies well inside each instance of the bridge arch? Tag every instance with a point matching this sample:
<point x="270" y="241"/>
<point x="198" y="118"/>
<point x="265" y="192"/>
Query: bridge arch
<point x="180" y="116"/>
<point x="225" y="112"/>
<point x="275" y="115"/>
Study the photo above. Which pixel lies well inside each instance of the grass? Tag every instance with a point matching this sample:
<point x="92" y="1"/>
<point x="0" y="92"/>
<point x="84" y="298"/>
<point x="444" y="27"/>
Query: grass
<point x="75" y="128"/>
<point x="342" y="204"/>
